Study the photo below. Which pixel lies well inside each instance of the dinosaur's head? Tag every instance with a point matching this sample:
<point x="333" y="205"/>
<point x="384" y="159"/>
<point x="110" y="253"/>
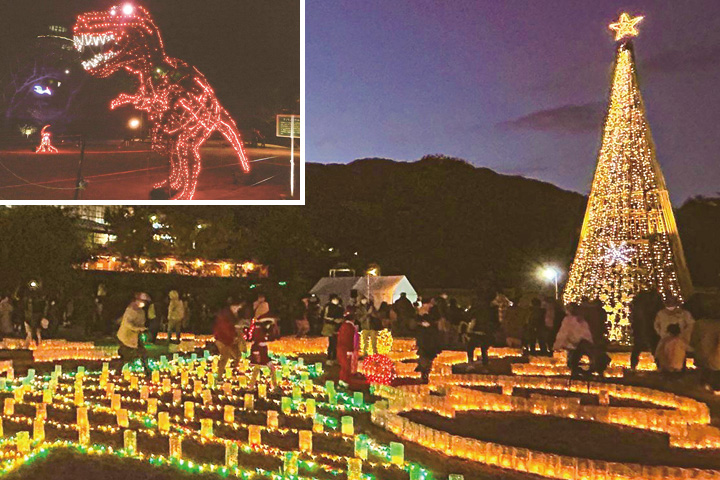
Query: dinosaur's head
<point x="122" y="36"/>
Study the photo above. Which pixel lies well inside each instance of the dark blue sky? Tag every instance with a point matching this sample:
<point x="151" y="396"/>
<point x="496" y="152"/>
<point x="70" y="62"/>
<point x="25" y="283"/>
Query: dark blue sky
<point x="518" y="86"/>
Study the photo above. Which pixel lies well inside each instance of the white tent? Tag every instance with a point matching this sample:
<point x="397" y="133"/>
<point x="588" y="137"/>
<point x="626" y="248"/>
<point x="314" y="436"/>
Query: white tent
<point x="382" y="289"/>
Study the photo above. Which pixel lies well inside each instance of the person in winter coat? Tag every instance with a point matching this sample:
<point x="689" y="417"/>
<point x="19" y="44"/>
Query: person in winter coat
<point x="705" y="341"/>
<point x="535" y="329"/>
<point x="428" y="346"/>
<point x="332" y="316"/>
<point x="176" y="314"/>
<point x="405" y="312"/>
<point x="674" y="313"/>
<point x="6" y="310"/>
<point x="225" y="333"/>
<point x="261" y="308"/>
<point x="575" y="337"/>
<point x="347" y="344"/>
<point x="131" y="325"/>
<point x="263" y="330"/>
<point x="481" y="329"/>
<point x="302" y="322"/>
<point x="671" y="350"/>
<point x="643" y="309"/>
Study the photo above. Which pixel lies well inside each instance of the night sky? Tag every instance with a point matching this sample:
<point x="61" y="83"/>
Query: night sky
<point x="517" y="86"/>
<point x="249" y="50"/>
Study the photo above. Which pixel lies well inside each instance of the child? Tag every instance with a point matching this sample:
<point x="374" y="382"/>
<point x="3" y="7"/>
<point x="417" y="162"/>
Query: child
<point x="670" y="352"/>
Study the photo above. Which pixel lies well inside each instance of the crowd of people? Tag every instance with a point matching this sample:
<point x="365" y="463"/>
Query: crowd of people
<point x="541" y="326"/>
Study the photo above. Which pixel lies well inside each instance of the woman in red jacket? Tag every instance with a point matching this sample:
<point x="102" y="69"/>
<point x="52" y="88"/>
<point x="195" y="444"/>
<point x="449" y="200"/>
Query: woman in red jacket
<point x="262" y="330"/>
<point x="226" y="337"/>
<point x="346" y="350"/>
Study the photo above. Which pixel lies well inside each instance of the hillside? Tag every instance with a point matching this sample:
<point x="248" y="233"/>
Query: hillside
<point x="443" y="221"/>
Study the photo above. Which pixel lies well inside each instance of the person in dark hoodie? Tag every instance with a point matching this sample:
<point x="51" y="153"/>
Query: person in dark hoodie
<point x="481" y="328"/>
<point x="428" y="345"/>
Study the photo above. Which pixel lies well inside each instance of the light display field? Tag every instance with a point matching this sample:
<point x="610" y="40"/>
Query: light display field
<point x="246" y="422"/>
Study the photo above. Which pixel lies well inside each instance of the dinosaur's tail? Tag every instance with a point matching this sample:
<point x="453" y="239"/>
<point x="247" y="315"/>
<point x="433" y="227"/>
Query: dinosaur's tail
<point x="229" y="130"/>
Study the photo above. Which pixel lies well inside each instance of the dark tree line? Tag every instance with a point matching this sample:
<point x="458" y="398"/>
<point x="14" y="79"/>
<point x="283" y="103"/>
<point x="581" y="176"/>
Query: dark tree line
<point x="440" y="221"/>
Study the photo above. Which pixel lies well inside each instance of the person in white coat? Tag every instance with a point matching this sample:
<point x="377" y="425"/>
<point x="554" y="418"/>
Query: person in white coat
<point x="673" y="313"/>
<point x="131" y="325"/>
<point x="176" y="314"/>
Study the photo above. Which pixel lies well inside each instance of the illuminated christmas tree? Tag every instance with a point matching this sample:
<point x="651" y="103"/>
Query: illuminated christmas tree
<point x="629" y="240"/>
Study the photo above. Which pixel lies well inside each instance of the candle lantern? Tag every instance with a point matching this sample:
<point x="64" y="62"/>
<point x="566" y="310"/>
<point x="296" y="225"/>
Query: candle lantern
<point x="296" y="394"/>
<point x="134" y="382"/>
<point x="155" y="376"/>
<point x="272" y="419"/>
<point x="290" y="464"/>
<point x="346" y="425"/>
<point x="184" y="378"/>
<point x="41" y="410"/>
<point x="122" y="418"/>
<point x="115" y="403"/>
<point x="206" y="427"/>
<point x="318" y="426"/>
<point x="397" y="453"/>
<point x="206" y="397"/>
<point x="231" y="455"/>
<point x="229" y="413"/>
<point x="81" y="416"/>
<point x="152" y="405"/>
<point x="9" y="407"/>
<point x="39" y="429"/>
<point x="177" y="395"/>
<point x="354" y="470"/>
<point x="166" y="386"/>
<point x="175" y="444"/>
<point x="249" y="402"/>
<point x="286" y="405"/>
<point x="23" y="442"/>
<point x="361" y="447"/>
<point x="227" y="388"/>
<point x="305" y="441"/>
<point x="163" y="422"/>
<point x="84" y="433"/>
<point x="79" y="397"/>
<point x="130" y="441"/>
<point x="254" y="435"/>
<point x="310" y="407"/>
<point x="358" y="399"/>
<point x="144" y="392"/>
<point x="189" y="410"/>
<point x="262" y="390"/>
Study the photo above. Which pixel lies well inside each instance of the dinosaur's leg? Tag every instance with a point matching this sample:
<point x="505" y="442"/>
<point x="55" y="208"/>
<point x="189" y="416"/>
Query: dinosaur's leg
<point x="229" y="130"/>
<point x="184" y="163"/>
<point x="195" y="162"/>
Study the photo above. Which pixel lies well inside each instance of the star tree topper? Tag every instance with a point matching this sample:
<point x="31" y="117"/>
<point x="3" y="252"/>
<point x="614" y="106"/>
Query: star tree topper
<point x="625" y="26"/>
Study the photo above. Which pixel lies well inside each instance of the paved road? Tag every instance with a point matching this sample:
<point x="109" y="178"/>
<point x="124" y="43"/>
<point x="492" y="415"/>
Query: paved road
<point x="114" y="173"/>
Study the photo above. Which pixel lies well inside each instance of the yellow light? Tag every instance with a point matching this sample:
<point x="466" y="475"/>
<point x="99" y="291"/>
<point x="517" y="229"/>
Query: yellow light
<point x="134" y="123"/>
<point x="625" y="26"/>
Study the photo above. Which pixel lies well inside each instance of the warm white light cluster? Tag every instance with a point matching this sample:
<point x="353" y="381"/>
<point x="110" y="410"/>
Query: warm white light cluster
<point x="629" y="240"/>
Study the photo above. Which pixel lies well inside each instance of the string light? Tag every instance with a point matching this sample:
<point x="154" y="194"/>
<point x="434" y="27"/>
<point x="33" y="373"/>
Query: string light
<point x="183" y="110"/>
<point x="629" y="240"/>
<point x="45" y="145"/>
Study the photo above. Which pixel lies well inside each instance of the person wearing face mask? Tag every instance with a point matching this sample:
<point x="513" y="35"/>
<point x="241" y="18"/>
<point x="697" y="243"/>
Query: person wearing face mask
<point x="333" y="314"/>
<point x="673" y="313"/>
<point x="226" y="337"/>
<point x="131" y="325"/>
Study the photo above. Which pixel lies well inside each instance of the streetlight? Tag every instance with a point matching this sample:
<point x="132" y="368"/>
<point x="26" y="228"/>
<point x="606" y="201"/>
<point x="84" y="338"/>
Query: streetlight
<point x="551" y="274"/>
<point x="372" y="271"/>
<point x="134" y="123"/>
